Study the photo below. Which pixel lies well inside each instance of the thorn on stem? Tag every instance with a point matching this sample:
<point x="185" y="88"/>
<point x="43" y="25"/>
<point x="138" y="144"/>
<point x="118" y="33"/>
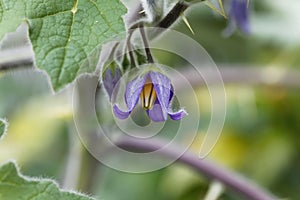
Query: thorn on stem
<point x="187" y="23"/>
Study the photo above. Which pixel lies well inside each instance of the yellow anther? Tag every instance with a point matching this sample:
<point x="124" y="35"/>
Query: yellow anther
<point x="148" y="96"/>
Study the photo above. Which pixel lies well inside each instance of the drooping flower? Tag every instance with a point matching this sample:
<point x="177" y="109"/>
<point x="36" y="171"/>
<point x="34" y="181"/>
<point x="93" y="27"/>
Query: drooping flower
<point x="111" y="76"/>
<point x="238" y="13"/>
<point x="156" y="93"/>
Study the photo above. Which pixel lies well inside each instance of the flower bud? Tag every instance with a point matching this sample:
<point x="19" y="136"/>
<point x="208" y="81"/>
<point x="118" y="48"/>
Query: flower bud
<point x="110" y="77"/>
<point x="238" y="16"/>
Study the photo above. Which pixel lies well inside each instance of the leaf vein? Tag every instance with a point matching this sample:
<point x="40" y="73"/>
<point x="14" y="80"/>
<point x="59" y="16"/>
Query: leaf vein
<point x="39" y="192"/>
<point x="5" y="175"/>
<point x="103" y="17"/>
<point x="51" y="15"/>
<point x="65" y="47"/>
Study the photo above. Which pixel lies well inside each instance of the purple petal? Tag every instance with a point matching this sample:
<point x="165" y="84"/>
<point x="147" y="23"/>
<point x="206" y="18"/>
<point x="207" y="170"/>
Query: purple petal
<point x="164" y="92"/>
<point x="239" y="14"/>
<point x="171" y="93"/>
<point x="177" y="115"/>
<point x="110" y="80"/>
<point x="162" y="86"/>
<point x="132" y="94"/>
<point x="133" y="91"/>
<point x="156" y="114"/>
<point x="119" y="113"/>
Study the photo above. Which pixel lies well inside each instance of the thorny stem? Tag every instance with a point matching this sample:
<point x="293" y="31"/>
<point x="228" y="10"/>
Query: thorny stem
<point x="169" y="19"/>
<point x="165" y="23"/>
<point x="211" y="170"/>
<point x="173" y="15"/>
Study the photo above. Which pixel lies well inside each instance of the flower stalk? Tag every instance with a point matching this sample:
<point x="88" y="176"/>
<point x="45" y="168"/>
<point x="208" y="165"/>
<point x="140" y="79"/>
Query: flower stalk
<point x="146" y="44"/>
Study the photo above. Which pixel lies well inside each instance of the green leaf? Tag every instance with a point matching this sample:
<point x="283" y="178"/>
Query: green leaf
<point x="12" y="13"/>
<point x="14" y="186"/>
<point x="66" y="34"/>
<point x="3" y="127"/>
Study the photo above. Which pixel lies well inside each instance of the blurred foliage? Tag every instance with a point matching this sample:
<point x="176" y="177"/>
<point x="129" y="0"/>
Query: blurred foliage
<point x="261" y="134"/>
<point x="37" y="135"/>
<point x="3" y="127"/>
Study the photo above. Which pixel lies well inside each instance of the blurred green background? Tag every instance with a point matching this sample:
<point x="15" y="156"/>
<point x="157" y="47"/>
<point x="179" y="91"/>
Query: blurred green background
<point x="260" y="138"/>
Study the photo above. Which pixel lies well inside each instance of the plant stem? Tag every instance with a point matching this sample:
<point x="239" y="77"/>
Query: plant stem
<point x="214" y="191"/>
<point x="146" y="44"/>
<point x="169" y="19"/>
<point x="173" y="15"/>
<point x="15" y="58"/>
<point x="73" y="161"/>
<point x="209" y="169"/>
<point x="88" y="171"/>
<point x="130" y="51"/>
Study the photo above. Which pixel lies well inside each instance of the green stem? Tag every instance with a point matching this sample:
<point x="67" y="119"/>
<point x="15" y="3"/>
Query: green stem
<point x="88" y="171"/>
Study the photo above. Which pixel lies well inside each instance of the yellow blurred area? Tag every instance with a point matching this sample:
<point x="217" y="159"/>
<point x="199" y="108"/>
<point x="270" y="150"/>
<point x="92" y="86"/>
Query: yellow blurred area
<point x="33" y="126"/>
<point x="2" y="74"/>
<point x="268" y="149"/>
<point x="229" y="150"/>
<point x="266" y="158"/>
<point x="230" y="147"/>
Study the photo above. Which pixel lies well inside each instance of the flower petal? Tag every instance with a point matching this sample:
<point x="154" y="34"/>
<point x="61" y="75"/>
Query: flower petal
<point x="110" y="80"/>
<point x="177" y="115"/>
<point x="239" y="13"/>
<point x="162" y="86"/>
<point x="156" y="114"/>
<point x="165" y="92"/>
<point x="132" y="94"/>
<point x="133" y="91"/>
<point x="119" y="113"/>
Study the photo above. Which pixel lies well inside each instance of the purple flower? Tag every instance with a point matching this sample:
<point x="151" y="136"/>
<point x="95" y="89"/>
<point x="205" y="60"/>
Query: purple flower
<point x="156" y="93"/>
<point x="110" y="79"/>
<point x="238" y="16"/>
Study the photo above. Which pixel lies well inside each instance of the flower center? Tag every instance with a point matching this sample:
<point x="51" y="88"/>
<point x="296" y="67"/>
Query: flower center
<point x="148" y="95"/>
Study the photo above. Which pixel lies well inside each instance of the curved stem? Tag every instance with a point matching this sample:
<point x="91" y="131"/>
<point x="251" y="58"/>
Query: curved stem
<point x="209" y="169"/>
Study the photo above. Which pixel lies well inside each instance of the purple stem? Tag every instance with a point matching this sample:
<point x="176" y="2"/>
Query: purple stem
<point x="209" y="169"/>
